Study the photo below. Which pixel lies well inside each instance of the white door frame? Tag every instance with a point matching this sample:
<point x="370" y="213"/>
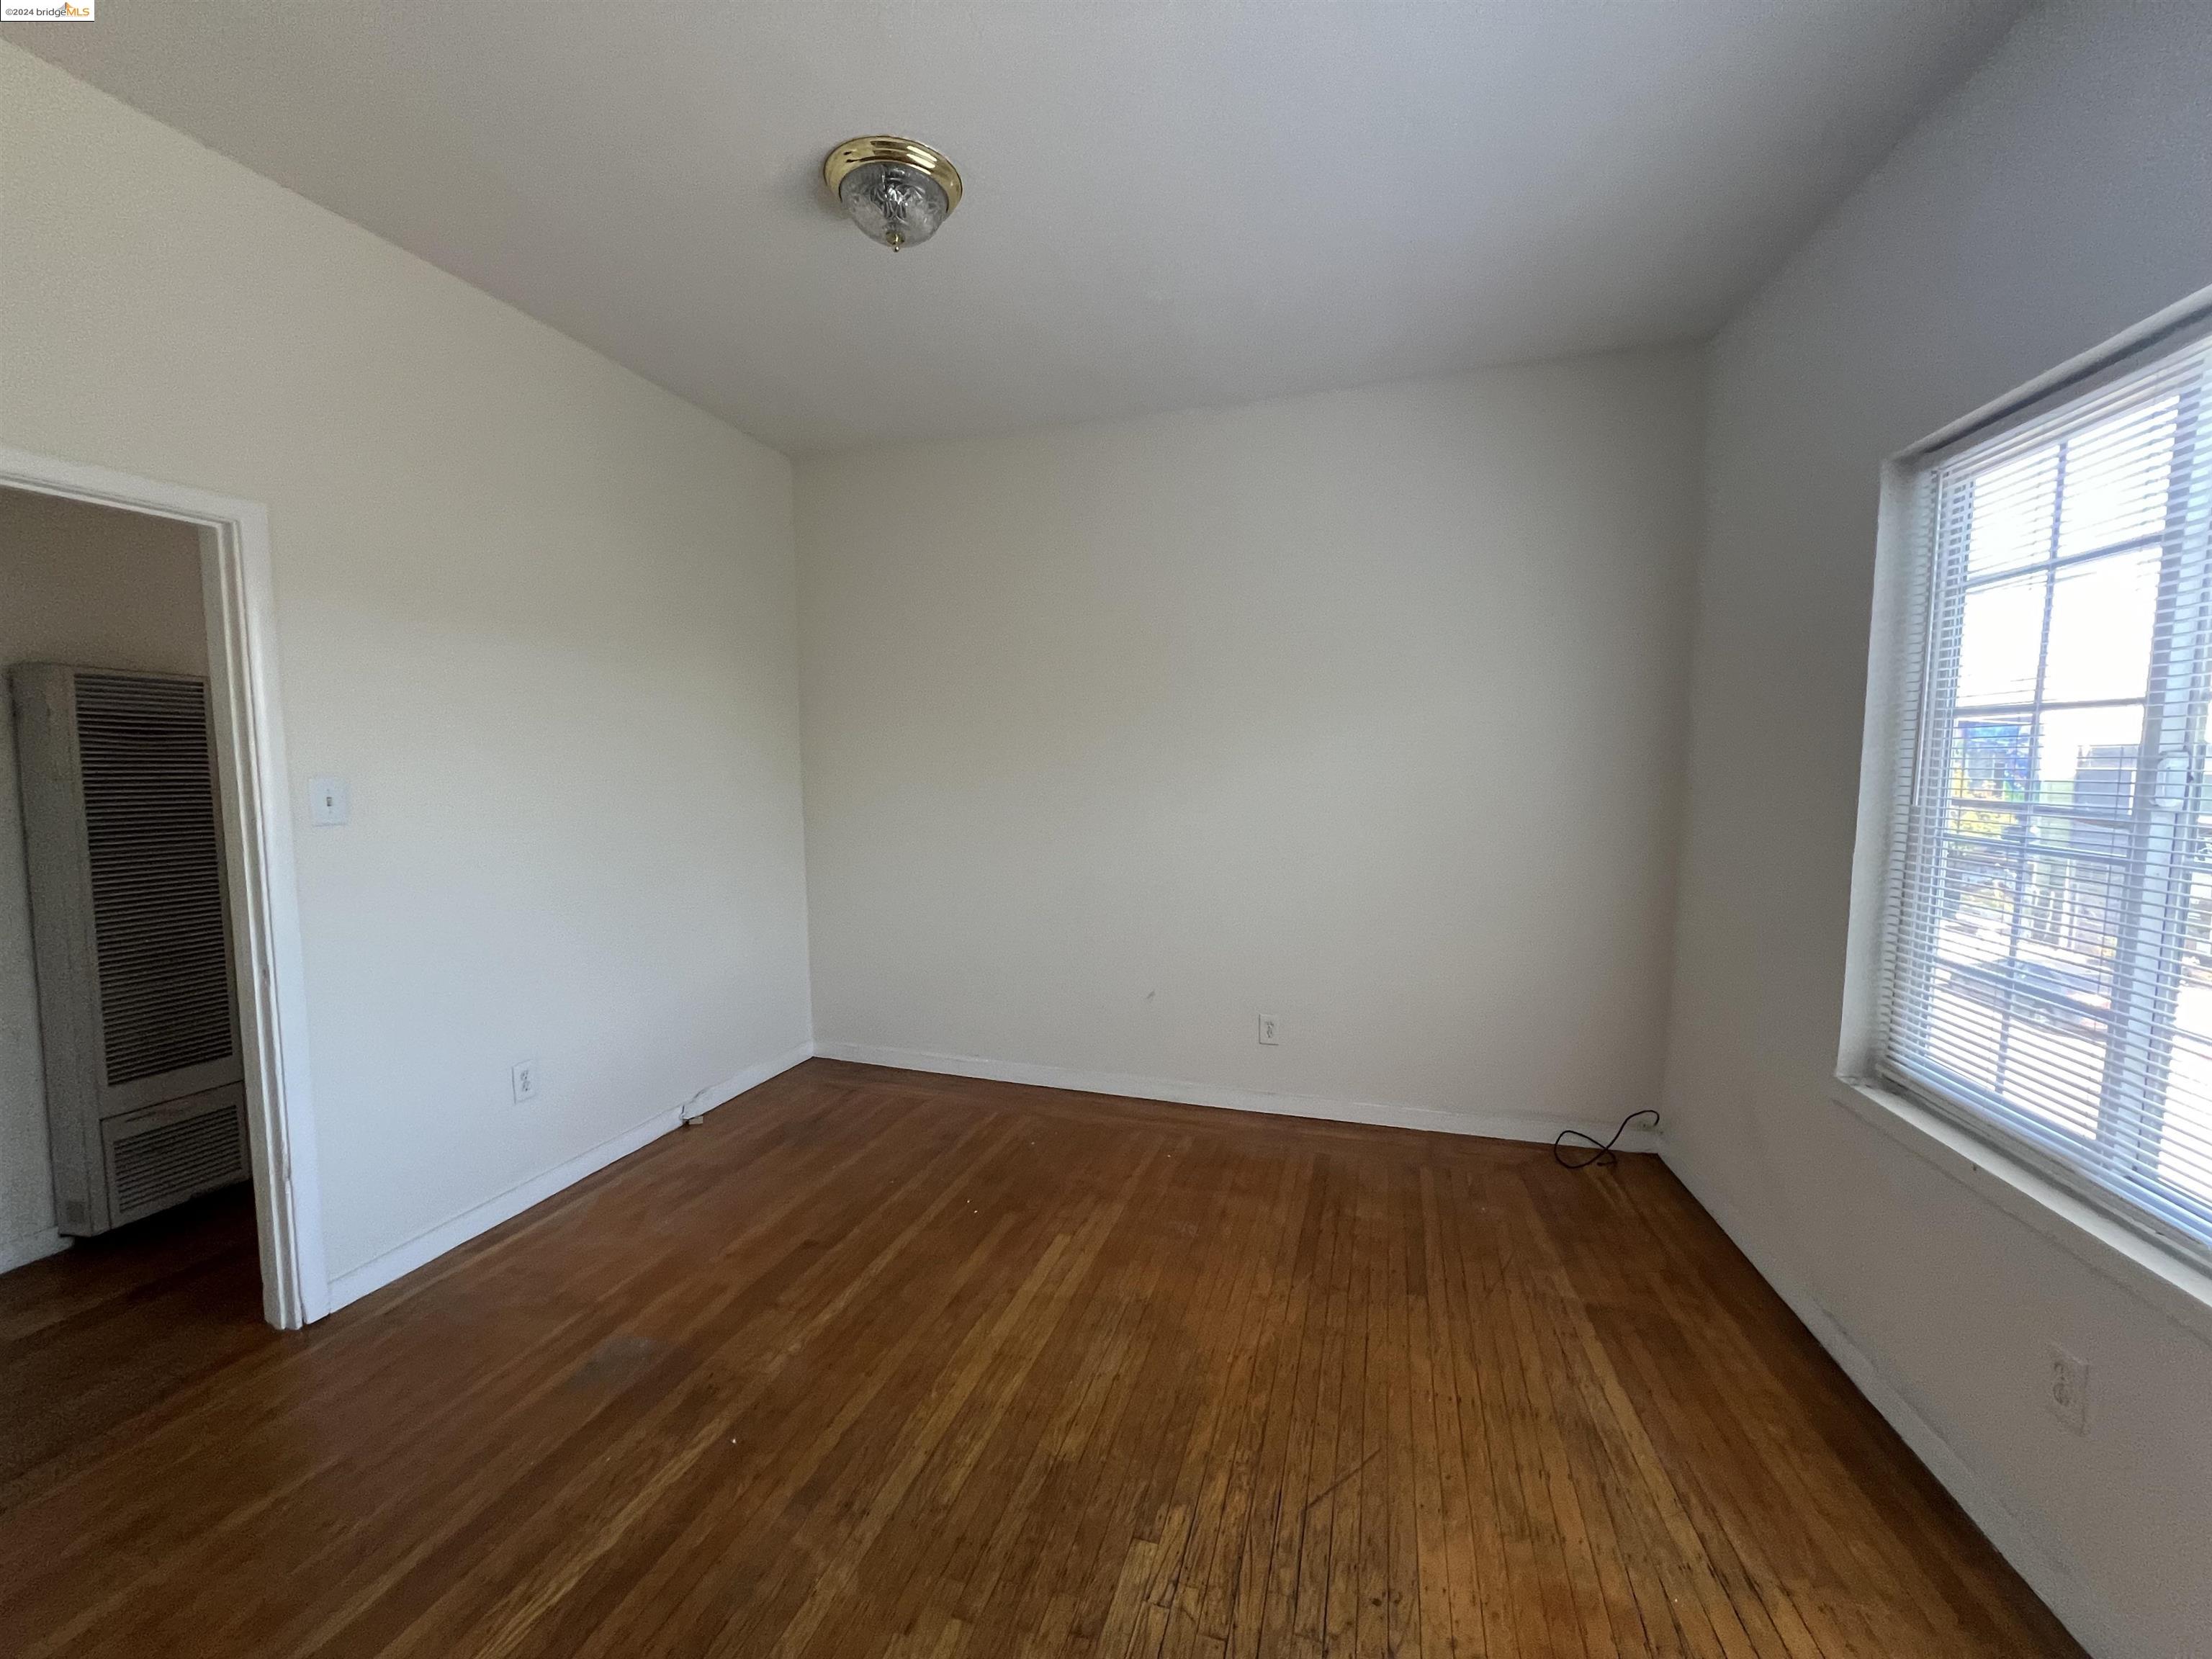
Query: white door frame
<point x="269" y="966"/>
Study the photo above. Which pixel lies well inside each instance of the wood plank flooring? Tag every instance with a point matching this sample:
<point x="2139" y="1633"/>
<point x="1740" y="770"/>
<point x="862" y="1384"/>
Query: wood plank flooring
<point x="90" y="1338"/>
<point x="875" y="1363"/>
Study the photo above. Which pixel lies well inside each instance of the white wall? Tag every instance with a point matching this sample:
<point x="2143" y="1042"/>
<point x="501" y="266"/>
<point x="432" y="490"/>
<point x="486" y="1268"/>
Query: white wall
<point x="2060" y="196"/>
<point x="78" y="584"/>
<point x="541" y="614"/>
<point x="1362" y="710"/>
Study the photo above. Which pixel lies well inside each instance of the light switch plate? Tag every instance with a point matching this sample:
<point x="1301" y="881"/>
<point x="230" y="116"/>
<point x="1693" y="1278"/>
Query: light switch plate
<point x="329" y="801"/>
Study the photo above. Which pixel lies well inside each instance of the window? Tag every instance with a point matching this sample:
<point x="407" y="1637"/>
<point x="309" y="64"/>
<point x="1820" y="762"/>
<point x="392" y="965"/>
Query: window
<point x="2048" y="953"/>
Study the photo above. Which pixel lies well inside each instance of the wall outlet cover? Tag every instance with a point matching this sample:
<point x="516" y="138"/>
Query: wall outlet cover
<point x="524" y="1078"/>
<point x="2066" y="1388"/>
<point x="1267" y="1032"/>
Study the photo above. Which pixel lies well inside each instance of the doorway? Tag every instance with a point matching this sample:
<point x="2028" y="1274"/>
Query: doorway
<point x="170" y="586"/>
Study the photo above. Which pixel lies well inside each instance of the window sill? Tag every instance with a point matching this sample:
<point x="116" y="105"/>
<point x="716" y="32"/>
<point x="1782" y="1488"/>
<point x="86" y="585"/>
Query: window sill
<point x="2174" y="1285"/>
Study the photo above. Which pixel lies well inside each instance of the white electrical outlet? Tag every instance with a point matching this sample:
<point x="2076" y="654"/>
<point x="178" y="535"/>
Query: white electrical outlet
<point x="1267" y="1029"/>
<point x="2066" y="1388"/>
<point x="524" y="1077"/>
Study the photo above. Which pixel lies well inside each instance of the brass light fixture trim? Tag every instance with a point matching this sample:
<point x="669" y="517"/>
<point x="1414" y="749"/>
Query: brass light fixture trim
<point x="883" y="147"/>
<point x="896" y="190"/>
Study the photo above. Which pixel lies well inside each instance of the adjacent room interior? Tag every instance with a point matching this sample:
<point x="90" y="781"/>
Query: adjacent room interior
<point x="1139" y="827"/>
<point x="135" y="1151"/>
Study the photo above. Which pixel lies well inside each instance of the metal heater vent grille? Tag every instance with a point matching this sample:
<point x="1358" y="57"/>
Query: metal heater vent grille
<point x="174" y="1158"/>
<point x="156" y="866"/>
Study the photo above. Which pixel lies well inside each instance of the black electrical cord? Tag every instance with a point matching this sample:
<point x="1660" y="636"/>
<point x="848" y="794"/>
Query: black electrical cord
<point x="1604" y="1154"/>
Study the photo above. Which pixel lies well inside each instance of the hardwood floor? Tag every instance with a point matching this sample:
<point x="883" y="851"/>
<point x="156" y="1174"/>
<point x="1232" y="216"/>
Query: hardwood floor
<point x="876" y="1363"/>
<point x="93" y="1337"/>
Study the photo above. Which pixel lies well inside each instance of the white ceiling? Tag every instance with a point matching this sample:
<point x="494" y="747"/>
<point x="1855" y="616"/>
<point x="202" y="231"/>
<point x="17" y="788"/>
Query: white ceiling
<point x="1169" y="205"/>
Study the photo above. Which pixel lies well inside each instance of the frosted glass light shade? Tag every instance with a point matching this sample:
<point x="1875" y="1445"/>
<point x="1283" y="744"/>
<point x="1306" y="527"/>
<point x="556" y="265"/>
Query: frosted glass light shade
<point x="895" y="204"/>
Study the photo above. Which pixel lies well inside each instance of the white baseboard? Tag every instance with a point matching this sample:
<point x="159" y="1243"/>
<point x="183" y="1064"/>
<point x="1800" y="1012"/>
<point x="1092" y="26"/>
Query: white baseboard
<point x="1495" y="1126"/>
<point x="426" y="1247"/>
<point x="2077" y="1608"/>
<point x="30" y="1247"/>
<point x="722" y="1093"/>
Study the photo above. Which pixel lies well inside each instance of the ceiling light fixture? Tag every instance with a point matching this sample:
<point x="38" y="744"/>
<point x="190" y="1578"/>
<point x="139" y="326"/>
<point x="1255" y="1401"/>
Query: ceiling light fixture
<point x="896" y="190"/>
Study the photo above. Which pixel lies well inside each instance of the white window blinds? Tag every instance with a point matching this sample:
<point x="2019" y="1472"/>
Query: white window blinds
<point x="2049" y="949"/>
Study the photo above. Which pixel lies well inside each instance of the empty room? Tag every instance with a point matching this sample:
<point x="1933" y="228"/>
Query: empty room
<point x="935" y="827"/>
